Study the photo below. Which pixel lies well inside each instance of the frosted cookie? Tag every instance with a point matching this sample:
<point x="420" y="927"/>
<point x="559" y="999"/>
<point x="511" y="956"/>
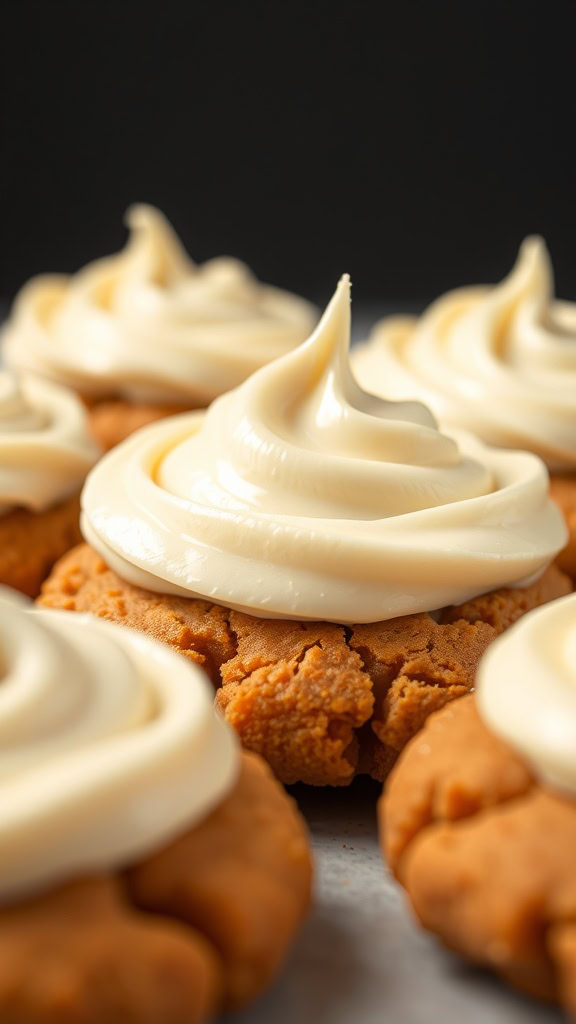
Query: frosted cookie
<point x="45" y="453"/>
<point x="146" y="333"/>
<point x="497" y="361"/>
<point x="149" y="870"/>
<point x="295" y="540"/>
<point x="479" y="816"/>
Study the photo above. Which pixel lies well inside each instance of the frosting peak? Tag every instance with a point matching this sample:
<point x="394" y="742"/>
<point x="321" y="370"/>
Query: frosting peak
<point x="154" y="252"/>
<point x="301" y="496"/>
<point x="150" y="324"/>
<point x="500" y="362"/>
<point x="300" y="437"/>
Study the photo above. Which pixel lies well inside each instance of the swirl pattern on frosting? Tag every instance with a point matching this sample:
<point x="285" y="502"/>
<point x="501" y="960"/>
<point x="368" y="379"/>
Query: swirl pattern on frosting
<point x="148" y="324"/>
<point x="526" y="690"/>
<point x="109" y="747"/>
<point x="500" y="362"/>
<point x="45" y="448"/>
<point x="300" y="496"/>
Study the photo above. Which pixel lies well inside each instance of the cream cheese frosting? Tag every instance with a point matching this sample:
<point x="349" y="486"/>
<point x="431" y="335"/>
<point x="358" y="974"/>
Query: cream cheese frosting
<point x="499" y="362"/>
<point x="148" y="324"/>
<point x="526" y="690"/>
<point x="109" y="747"/>
<point x="45" y="448"/>
<point x="300" y="496"/>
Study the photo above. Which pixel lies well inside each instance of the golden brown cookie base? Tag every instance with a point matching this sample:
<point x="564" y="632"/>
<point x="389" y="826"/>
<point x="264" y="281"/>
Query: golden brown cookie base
<point x="31" y="543"/>
<point x="485" y="852"/>
<point x="502" y="608"/>
<point x="319" y="702"/>
<point x="112" y="421"/>
<point x="563" y="491"/>
<point x="202" y="925"/>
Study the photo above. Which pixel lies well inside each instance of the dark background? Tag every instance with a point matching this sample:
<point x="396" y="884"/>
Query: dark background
<point x="413" y="144"/>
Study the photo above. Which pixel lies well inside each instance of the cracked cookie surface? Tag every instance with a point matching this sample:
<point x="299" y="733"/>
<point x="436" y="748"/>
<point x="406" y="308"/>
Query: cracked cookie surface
<point x="320" y="702"/>
<point x="485" y="852"/>
<point x="202" y="925"/>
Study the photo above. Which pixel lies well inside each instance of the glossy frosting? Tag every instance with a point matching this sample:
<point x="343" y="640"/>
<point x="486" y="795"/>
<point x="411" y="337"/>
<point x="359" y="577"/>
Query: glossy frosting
<point x="109" y="747"/>
<point x="45" y="447"/>
<point x="526" y="690"/>
<point x="500" y="361"/>
<point x="149" y="324"/>
<point x="300" y="496"/>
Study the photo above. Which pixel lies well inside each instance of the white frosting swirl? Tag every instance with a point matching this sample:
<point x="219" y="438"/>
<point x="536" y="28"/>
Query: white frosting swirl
<point x="526" y="690"/>
<point x="45" y="448"/>
<point x="500" y="362"/>
<point x="148" y="324"/>
<point x="298" y="495"/>
<point x="109" y="747"/>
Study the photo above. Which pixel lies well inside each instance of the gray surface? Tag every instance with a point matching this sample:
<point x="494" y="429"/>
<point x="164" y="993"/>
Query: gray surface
<point x="360" y="959"/>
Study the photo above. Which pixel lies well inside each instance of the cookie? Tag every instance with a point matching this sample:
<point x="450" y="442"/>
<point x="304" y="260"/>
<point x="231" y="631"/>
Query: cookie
<point x="202" y="925"/>
<point x="485" y="852"/>
<point x="299" y="538"/>
<point x="32" y="542"/>
<point x="563" y="491"/>
<point x="46" y="452"/>
<point x="319" y="701"/>
<point x="114" y="420"/>
<point x="151" y="870"/>
<point x="64" y="957"/>
<point x="241" y="878"/>
<point x="502" y="608"/>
